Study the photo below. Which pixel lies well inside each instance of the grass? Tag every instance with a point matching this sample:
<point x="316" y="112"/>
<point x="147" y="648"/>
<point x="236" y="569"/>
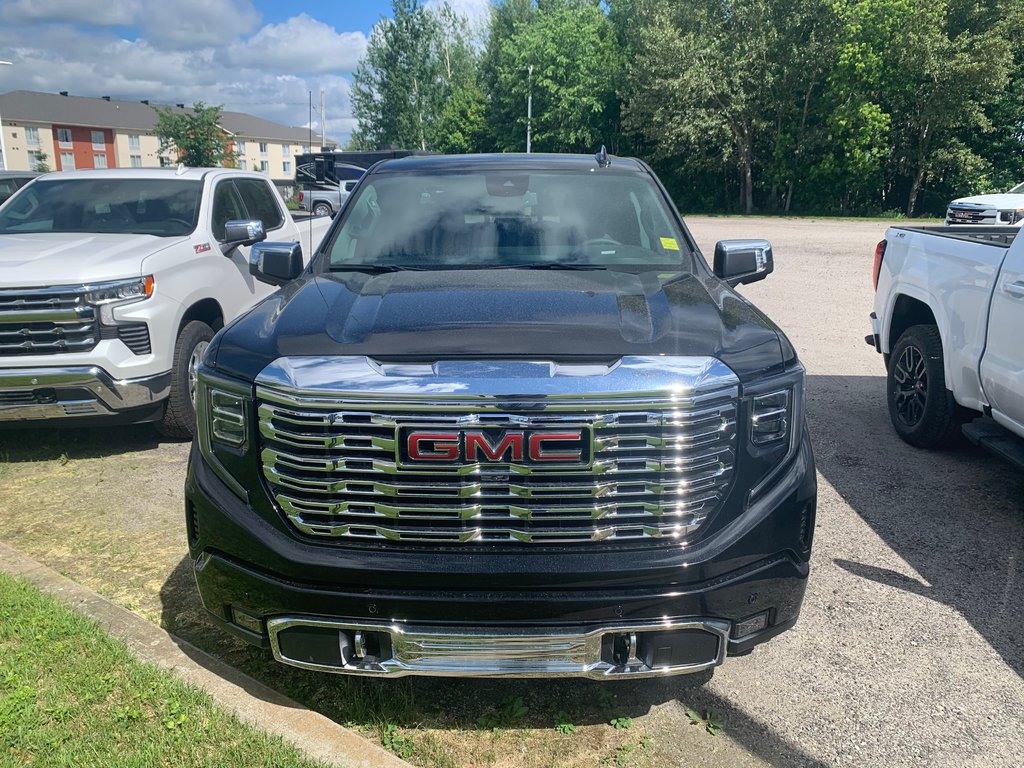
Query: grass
<point x="70" y="695"/>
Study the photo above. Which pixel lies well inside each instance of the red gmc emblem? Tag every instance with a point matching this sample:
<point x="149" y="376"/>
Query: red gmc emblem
<point x="424" y="445"/>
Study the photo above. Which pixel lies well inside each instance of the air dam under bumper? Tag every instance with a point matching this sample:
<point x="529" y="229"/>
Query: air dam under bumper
<point x="35" y="394"/>
<point x="395" y="650"/>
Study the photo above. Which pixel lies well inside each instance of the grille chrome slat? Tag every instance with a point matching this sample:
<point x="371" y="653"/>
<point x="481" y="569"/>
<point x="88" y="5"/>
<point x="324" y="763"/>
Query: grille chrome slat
<point x="46" y="321"/>
<point x="661" y="466"/>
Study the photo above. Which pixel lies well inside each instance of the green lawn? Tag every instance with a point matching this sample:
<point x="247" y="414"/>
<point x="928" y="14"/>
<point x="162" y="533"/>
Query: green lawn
<point x="70" y="695"/>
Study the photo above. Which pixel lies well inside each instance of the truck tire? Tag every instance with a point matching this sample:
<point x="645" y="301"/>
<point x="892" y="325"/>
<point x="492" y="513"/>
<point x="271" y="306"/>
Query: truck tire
<point x="921" y="407"/>
<point x="322" y="209"/>
<point x="180" y="414"/>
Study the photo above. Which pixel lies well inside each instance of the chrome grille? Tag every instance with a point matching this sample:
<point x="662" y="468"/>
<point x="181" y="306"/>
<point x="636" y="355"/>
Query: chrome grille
<point x="45" y="321"/>
<point x="661" y="466"/>
<point x="969" y="215"/>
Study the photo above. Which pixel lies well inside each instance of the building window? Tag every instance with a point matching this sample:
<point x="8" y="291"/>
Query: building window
<point x="67" y="161"/>
<point x="305" y="148"/>
<point x="264" y="166"/>
<point x="136" y="161"/>
<point x="263" y="147"/>
<point x="99" y="160"/>
<point x="286" y="168"/>
<point x="286" y="149"/>
<point x="133" y="142"/>
<point x="32" y="136"/>
<point x="240" y="147"/>
<point x="98" y="140"/>
<point x="242" y="166"/>
<point x="64" y="137"/>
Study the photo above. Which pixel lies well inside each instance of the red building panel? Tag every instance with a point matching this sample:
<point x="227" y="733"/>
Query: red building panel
<point x="82" y="147"/>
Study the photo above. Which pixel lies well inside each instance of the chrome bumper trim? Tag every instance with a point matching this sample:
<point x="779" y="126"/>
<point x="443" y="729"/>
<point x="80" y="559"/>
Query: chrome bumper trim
<point x="499" y="652"/>
<point x="20" y="399"/>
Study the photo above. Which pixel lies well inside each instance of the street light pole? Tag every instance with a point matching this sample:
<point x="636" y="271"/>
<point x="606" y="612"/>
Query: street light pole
<point x="3" y="155"/>
<point x="529" y="106"/>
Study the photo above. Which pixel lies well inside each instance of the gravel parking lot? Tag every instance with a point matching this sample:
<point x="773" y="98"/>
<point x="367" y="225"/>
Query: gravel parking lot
<point x="909" y="650"/>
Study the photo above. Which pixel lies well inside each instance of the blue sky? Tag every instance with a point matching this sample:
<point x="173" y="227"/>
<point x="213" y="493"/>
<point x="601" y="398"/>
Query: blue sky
<point x="253" y="56"/>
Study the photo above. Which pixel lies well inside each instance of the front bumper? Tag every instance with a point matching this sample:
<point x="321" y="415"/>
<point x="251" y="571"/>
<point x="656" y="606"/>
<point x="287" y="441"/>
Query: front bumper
<point x="493" y="612"/>
<point x="37" y="394"/>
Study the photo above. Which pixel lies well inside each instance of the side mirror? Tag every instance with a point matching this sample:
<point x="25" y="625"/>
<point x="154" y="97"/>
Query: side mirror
<point x="242" y="232"/>
<point x="743" y="261"/>
<point x="275" y="263"/>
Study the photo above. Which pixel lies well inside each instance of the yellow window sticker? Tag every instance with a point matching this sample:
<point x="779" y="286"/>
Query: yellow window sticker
<point x="669" y="244"/>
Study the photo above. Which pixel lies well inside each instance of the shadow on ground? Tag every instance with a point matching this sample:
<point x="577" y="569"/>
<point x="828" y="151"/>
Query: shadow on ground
<point x="955" y="516"/>
<point x="48" y="444"/>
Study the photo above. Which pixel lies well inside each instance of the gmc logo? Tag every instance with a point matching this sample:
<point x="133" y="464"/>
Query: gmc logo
<point x="571" y="445"/>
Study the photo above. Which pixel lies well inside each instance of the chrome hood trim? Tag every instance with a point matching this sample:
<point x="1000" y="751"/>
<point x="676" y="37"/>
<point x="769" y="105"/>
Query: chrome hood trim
<point x="361" y="377"/>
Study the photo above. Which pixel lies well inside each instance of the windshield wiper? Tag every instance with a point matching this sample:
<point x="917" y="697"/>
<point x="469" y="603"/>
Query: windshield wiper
<point x="374" y="269"/>
<point x="544" y="265"/>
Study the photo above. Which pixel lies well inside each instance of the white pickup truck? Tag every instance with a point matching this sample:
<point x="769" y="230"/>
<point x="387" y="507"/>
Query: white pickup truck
<point x="113" y="282"/>
<point x="949" y="319"/>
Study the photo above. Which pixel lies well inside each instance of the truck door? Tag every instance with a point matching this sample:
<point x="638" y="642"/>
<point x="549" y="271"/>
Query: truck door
<point x="240" y="290"/>
<point x="1002" y="366"/>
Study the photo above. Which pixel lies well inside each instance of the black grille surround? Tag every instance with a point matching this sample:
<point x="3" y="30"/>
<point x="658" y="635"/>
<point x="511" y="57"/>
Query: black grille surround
<point x="660" y="469"/>
<point x="46" y="321"/>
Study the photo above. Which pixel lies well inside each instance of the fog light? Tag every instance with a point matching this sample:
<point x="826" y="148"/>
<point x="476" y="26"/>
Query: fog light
<point x="247" y="620"/>
<point x="750" y="626"/>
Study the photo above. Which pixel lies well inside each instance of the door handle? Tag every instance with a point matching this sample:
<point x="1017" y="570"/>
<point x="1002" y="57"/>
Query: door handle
<point x="1015" y="289"/>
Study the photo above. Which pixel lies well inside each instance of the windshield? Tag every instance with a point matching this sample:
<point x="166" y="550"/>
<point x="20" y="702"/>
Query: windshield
<point x="162" y="207"/>
<point x="509" y="218"/>
<point x="1019" y="189"/>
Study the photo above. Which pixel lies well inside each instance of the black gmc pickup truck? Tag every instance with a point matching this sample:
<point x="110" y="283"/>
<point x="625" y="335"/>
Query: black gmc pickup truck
<point x="506" y="422"/>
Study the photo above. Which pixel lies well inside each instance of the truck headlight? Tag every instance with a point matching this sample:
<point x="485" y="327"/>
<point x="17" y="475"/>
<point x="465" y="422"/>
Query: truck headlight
<point x="770" y="417"/>
<point x="117" y="293"/>
<point x="774" y="410"/>
<point x="223" y="415"/>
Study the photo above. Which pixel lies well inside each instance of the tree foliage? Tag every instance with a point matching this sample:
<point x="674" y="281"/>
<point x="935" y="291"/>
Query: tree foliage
<point x="195" y="135"/>
<point x="853" y="106"/>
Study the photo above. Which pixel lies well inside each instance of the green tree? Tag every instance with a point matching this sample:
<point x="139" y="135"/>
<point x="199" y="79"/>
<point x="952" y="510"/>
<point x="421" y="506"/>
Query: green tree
<point x="699" y="81"/>
<point x="40" y="162"/>
<point x="195" y="135"/>
<point x="572" y="48"/>
<point x="414" y="62"/>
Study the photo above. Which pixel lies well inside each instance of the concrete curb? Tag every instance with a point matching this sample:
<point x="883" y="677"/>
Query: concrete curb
<point x="253" y="702"/>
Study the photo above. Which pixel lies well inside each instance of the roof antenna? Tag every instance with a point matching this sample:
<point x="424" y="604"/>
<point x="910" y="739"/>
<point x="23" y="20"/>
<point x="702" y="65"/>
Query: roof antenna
<point x="602" y="157"/>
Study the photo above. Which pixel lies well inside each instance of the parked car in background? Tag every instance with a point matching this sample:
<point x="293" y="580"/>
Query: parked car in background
<point x="1003" y="209"/>
<point x="113" y="282"/>
<point x="948" y="314"/>
<point x="508" y="422"/>
<point x="325" y="200"/>
<point x="12" y="181"/>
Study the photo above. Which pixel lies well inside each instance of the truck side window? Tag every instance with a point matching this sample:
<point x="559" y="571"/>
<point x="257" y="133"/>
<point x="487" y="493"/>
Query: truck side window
<point x="260" y="202"/>
<point x="227" y="206"/>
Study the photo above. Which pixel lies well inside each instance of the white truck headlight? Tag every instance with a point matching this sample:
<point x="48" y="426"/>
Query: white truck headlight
<point x="117" y="293"/>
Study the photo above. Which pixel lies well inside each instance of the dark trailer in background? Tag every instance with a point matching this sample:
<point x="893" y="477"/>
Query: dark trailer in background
<point x="318" y="169"/>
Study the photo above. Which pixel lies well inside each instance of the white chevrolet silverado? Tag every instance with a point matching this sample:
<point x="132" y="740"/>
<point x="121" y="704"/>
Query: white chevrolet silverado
<point x="948" y="318"/>
<point x="113" y="282"/>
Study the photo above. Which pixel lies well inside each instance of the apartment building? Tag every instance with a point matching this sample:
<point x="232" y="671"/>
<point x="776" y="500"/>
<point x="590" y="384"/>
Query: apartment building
<point x="65" y="132"/>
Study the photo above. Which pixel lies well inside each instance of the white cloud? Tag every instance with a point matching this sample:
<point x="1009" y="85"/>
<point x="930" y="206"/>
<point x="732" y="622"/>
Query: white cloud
<point x="300" y="44"/>
<point x="269" y="73"/>
<point x="194" y="23"/>
<point x="114" y="13"/>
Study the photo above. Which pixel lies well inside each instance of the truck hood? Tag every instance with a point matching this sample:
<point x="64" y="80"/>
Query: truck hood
<point x="45" y="258"/>
<point x="538" y="315"/>
<point x="1001" y="201"/>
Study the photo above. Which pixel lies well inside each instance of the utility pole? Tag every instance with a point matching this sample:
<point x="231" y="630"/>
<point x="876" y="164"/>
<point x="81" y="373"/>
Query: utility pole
<point x="3" y="158"/>
<point x="323" y="123"/>
<point x="529" y="107"/>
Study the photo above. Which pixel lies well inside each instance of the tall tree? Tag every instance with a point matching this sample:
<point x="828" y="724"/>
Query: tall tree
<point x="414" y="62"/>
<point x="571" y="47"/>
<point x="195" y="135"/>
<point x="698" y="81"/>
